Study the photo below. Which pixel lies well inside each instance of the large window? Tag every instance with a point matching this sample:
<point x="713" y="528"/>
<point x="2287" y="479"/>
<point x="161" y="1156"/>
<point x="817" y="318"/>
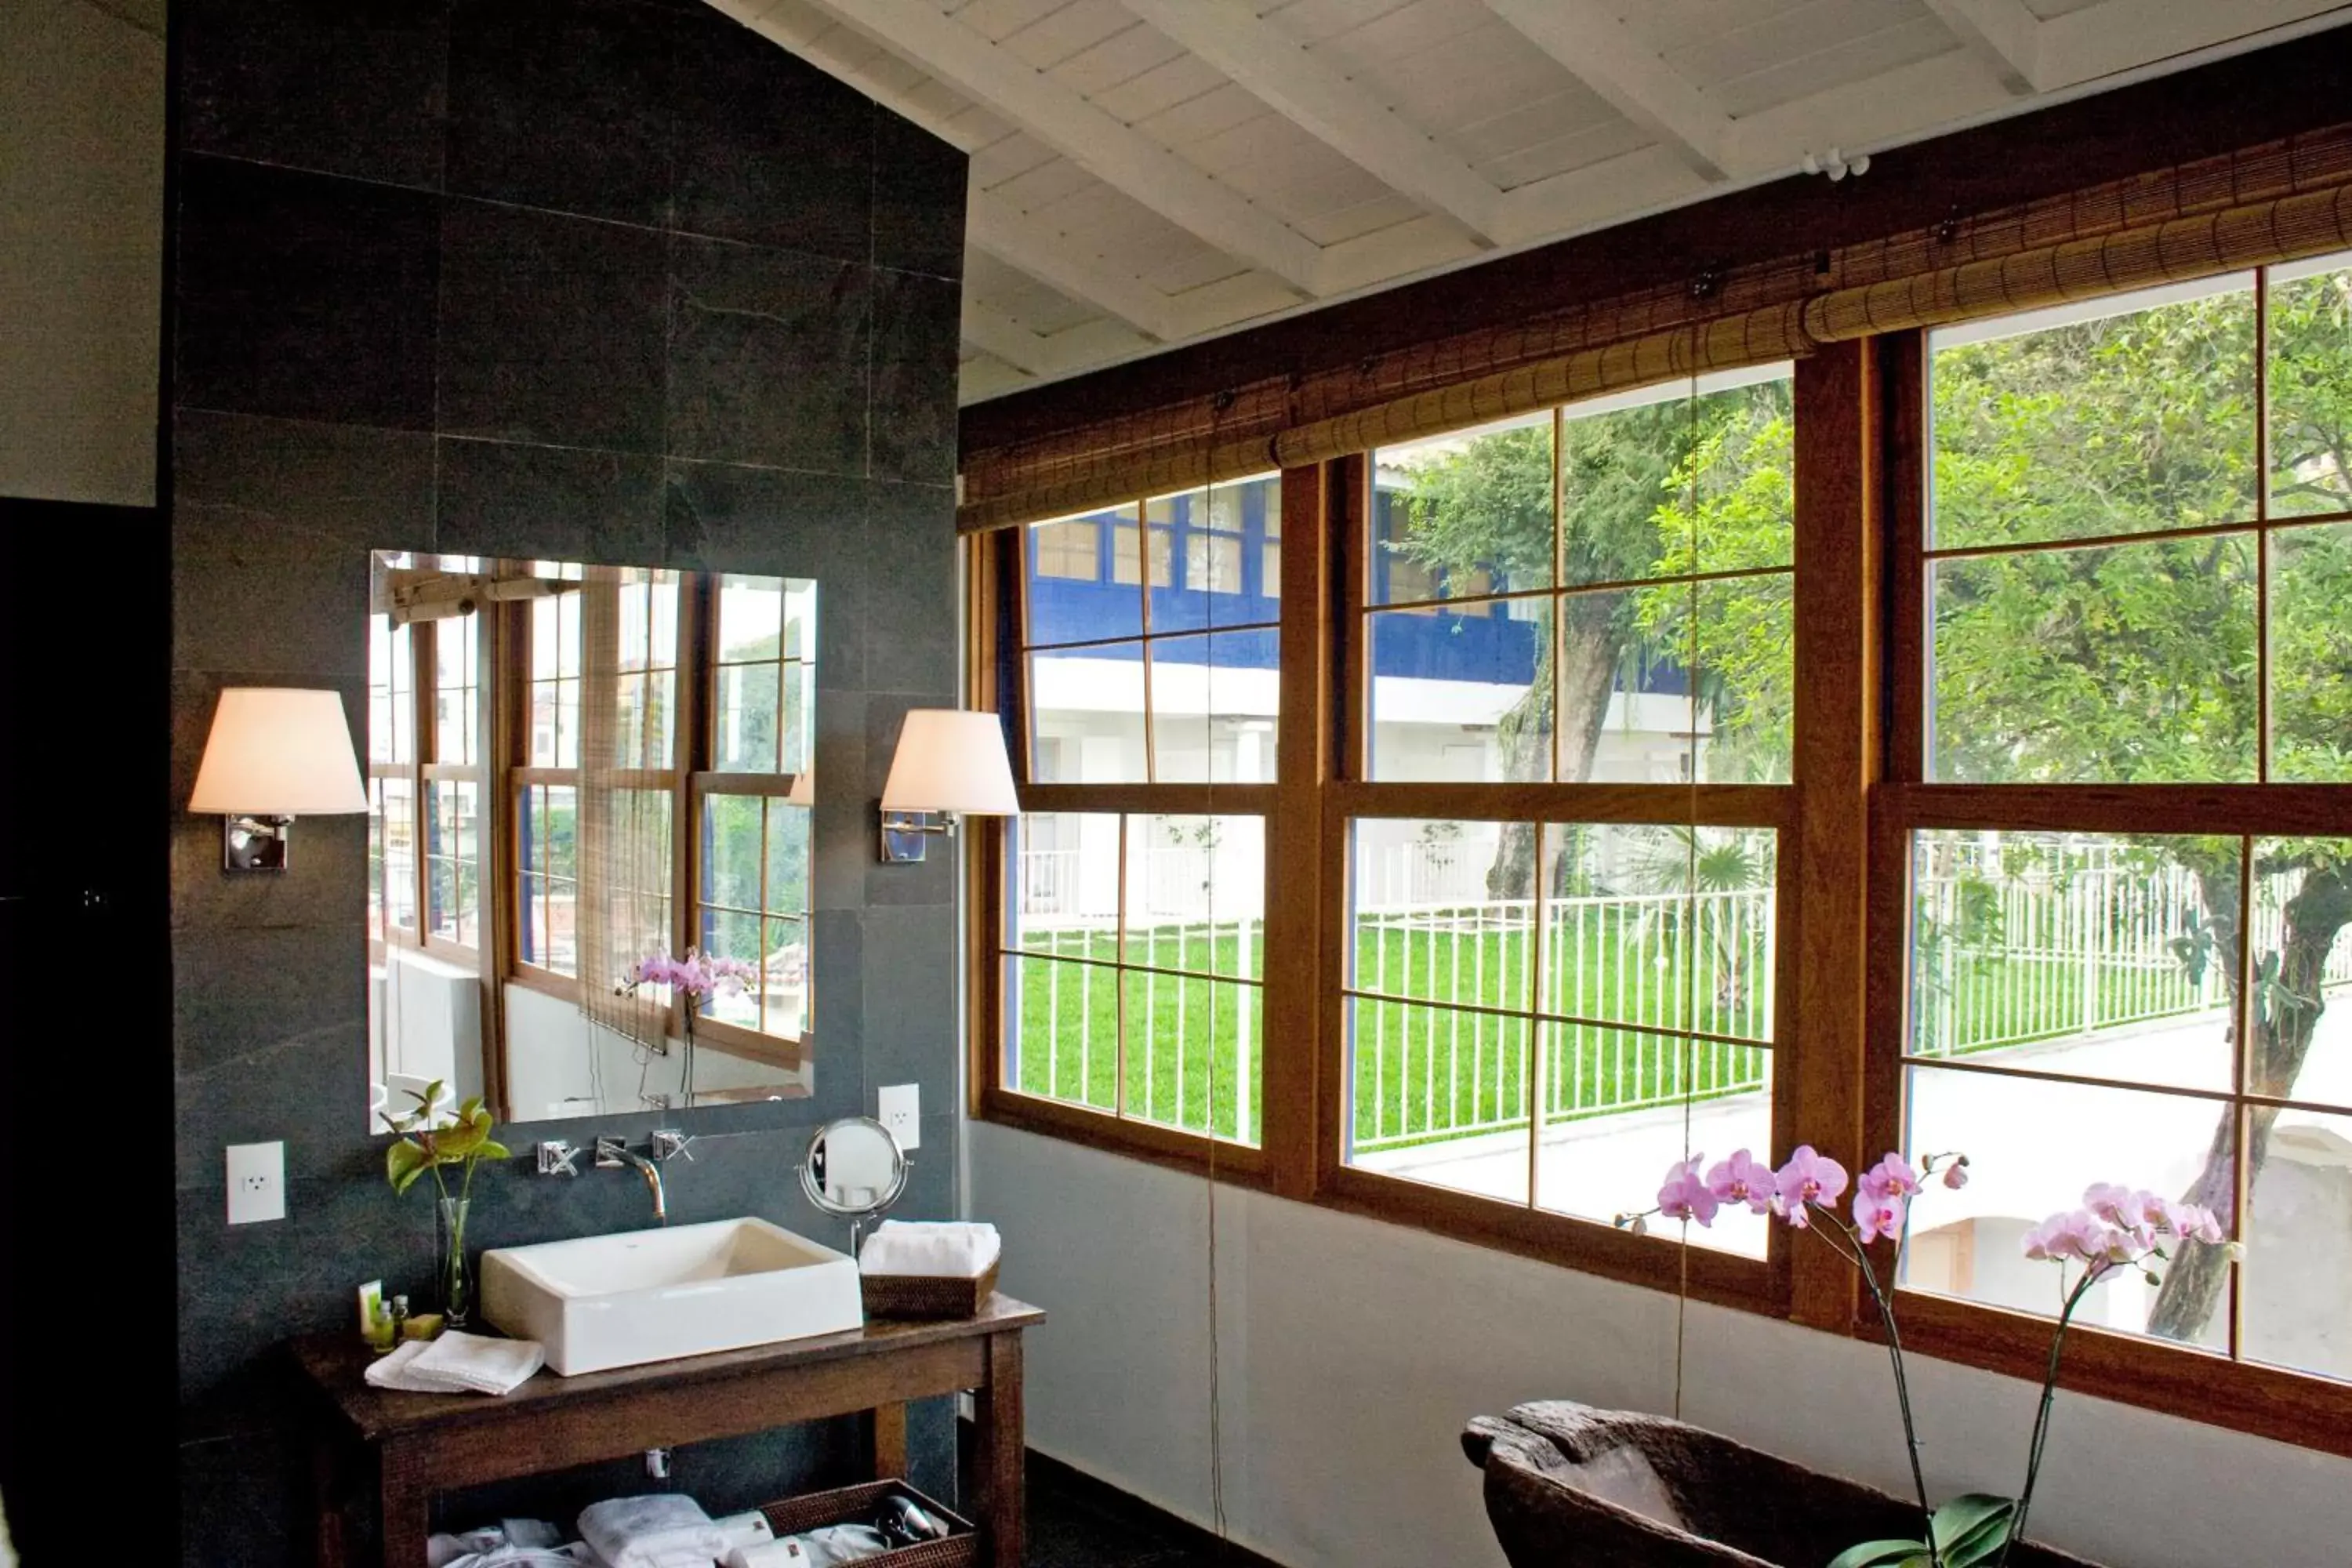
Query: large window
<point x="2133" y="579"/>
<point x="1132" y="946"/>
<point x="1545" y="994"/>
<point x="1943" y="743"/>
<point x="427" y="735"/>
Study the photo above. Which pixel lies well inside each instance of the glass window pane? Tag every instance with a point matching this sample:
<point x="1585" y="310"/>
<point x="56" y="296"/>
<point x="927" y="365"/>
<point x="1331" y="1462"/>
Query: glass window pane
<point x="400" y="854"/>
<point x="2310" y="322"/>
<point x="2127" y="664"/>
<point x="2128" y="415"/>
<point x="1660" y="926"/>
<point x="1215" y="702"/>
<point x="562" y="926"/>
<point x="1440" y="1096"/>
<point x="1064" y="871"/>
<point x="1425" y="924"/>
<point x="2311" y="654"/>
<point x="2298" y="1296"/>
<point x="1061" y="1030"/>
<point x="728" y="934"/>
<point x="1606" y="1147"/>
<point x="1196" y="893"/>
<point x="2034" y="1148"/>
<point x="1745" y="646"/>
<point x="746" y="737"/>
<point x="1185" y="1037"/>
<point x="795" y="721"/>
<point x="783" y="979"/>
<point x="1085" y="713"/>
<point x="2084" y="953"/>
<point x="2300" y="1046"/>
<point x="751" y="618"/>
<point x="562" y="839"/>
<point x="1466" y="514"/>
<point x="1458" y="697"/>
<point x="457" y="652"/>
<point x="731" y="850"/>
<point x="788" y="858"/>
<point x="1071" y="597"/>
<point x="1126" y="561"/>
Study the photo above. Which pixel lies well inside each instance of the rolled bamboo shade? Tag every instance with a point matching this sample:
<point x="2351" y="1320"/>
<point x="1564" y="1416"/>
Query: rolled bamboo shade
<point x="2139" y="237"/>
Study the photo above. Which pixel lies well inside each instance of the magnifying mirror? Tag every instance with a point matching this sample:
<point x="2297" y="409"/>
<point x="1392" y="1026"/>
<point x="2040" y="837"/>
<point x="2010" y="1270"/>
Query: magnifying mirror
<point x="855" y="1169"/>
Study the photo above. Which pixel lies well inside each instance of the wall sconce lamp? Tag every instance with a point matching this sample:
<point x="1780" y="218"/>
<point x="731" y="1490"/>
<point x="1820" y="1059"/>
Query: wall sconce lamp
<point x="949" y="764"/>
<point x="275" y="753"/>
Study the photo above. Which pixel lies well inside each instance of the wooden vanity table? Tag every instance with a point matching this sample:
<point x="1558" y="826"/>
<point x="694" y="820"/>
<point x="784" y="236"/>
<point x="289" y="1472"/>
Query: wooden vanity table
<point x="420" y="1443"/>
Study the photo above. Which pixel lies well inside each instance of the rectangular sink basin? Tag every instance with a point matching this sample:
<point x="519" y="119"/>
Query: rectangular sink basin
<point x="639" y="1296"/>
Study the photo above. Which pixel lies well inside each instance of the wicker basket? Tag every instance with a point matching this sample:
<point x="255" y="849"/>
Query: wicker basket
<point x="920" y="1296"/>
<point x="855" y="1505"/>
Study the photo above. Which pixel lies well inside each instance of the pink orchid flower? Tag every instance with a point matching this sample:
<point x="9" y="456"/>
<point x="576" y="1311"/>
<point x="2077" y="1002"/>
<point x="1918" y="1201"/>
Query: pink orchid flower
<point x="1891" y="1177"/>
<point x="2111" y="1201"/>
<point x="2195" y="1222"/>
<point x="1956" y="1174"/>
<point x="1743" y="1179"/>
<point x="1808" y="1178"/>
<point x="1685" y="1195"/>
<point x="1876" y="1214"/>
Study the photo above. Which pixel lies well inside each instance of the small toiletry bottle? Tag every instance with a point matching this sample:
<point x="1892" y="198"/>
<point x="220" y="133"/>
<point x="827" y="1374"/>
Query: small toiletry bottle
<point x="376" y="1326"/>
<point x="399" y="1318"/>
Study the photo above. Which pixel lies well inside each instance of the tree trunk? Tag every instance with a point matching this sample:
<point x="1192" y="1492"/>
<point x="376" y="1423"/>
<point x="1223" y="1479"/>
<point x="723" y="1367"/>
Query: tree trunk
<point x="2286" y="1012"/>
<point x="1593" y="643"/>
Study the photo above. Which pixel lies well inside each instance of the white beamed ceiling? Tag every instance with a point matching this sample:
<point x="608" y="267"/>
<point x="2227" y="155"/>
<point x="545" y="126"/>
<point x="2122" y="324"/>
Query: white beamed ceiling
<point x="1148" y="173"/>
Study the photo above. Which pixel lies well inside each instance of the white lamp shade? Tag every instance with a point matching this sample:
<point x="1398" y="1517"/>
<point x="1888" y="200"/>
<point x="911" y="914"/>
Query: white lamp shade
<point x="277" y="752"/>
<point x="951" y="761"/>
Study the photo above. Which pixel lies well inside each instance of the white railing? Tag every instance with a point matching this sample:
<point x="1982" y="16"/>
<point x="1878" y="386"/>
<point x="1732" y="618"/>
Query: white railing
<point x="2069" y="940"/>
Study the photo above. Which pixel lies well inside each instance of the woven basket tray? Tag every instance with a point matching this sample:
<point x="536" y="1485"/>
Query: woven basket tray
<point x="916" y="1296"/>
<point x="855" y="1505"/>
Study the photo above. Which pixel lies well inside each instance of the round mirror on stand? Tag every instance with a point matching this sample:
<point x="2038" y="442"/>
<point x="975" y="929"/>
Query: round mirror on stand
<point x="855" y="1168"/>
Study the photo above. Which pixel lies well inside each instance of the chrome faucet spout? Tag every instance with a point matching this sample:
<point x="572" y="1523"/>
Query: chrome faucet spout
<point x="612" y="1153"/>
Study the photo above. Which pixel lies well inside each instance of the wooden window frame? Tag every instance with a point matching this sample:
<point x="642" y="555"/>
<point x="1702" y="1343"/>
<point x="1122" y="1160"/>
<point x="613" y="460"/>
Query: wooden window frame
<point x="420" y="771"/>
<point x="997" y="614"/>
<point x="1855" y="793"/>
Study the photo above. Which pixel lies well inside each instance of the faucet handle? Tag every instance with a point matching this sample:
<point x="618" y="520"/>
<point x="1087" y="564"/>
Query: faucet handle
<point x="611" y="1153"/>
<point x="669" y="1144"/>
<point x="555" y="1157"/>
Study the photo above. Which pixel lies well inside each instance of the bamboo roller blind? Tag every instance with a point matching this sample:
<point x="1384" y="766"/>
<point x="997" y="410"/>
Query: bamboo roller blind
<point x="2282" y="202"/>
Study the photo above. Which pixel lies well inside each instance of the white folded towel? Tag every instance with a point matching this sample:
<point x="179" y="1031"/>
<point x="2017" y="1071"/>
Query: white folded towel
<point x="930" y="1250"/>
<point x="661" y="1529"/>
<point x="745" y="1529"/>
<point x="458" y="1364"/>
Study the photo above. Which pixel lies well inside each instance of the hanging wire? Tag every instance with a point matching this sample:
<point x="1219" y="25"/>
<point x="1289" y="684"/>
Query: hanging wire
<point x="1690" y="862"/>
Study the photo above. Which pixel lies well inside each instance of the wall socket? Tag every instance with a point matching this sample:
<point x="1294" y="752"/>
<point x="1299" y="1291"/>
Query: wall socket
<point x="256" y="1183"/>
<point x="902" y="1113"/>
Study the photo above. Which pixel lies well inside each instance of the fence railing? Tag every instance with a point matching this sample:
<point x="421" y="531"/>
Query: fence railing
<point x="2083" y="939"/>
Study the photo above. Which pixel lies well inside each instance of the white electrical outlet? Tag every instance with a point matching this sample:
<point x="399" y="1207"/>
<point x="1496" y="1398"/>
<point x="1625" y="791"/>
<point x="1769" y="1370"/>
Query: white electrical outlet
<point x="902" y="1113"/>
<point x="256" y="1183"/>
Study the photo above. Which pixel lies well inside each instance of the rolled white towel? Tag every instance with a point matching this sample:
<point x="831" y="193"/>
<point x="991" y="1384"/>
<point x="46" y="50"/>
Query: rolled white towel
<point x="930" y="1250"/>
<point x="663" y="1530"/>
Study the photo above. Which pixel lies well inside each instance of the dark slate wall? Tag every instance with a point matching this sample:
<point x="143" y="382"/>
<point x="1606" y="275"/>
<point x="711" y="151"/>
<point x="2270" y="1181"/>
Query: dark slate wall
<point x="604" y="279"/>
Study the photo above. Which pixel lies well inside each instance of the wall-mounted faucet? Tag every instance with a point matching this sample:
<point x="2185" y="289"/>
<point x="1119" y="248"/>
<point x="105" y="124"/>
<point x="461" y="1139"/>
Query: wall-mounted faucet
<point x="612" y="1153"/>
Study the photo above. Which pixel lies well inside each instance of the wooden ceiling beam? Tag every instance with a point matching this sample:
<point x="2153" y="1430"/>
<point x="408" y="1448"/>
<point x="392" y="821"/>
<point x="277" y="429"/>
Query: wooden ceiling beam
<point x="1116" y="154"/>
<point x="1587" y="38"/>
<point x="2004" y="33"/>
<point x="1027" y="246"/>
<point x="1314" y="96"/>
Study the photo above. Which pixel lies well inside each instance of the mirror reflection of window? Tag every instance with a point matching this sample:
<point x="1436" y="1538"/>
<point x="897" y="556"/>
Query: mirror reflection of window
<point x="571" y="769"/>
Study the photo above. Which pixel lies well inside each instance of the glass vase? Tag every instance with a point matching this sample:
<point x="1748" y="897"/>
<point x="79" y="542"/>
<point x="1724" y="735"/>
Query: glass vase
<point x="456" y="1273"/>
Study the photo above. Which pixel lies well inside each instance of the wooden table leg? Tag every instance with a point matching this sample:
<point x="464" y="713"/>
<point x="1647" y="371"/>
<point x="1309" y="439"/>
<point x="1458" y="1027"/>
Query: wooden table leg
<point x="407" y="1510"/>
<point x="327" y="1502"/>
<point x="889" y="1442"/>
<point x="1003" y="1452"/>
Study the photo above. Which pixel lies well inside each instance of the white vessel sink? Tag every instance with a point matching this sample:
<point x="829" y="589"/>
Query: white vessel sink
<point x="603" y="1301"/>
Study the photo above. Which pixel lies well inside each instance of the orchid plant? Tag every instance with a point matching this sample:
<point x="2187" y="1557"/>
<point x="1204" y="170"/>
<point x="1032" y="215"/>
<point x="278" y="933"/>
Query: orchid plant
<point x="2117" y="1229"/>
<point x="692" y="978"/>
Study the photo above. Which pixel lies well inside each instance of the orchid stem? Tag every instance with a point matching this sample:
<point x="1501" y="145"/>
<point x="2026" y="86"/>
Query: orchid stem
<point x="1860" y="1259"/>
<point x="2041" y="1417"/>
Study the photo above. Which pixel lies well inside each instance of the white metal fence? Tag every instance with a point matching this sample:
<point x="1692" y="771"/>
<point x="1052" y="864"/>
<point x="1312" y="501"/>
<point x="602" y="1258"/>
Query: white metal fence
<point x="2063" y="938"/>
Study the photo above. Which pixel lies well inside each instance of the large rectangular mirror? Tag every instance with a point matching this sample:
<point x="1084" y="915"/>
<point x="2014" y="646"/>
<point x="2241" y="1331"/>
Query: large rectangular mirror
<point x="581" y="779"/>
